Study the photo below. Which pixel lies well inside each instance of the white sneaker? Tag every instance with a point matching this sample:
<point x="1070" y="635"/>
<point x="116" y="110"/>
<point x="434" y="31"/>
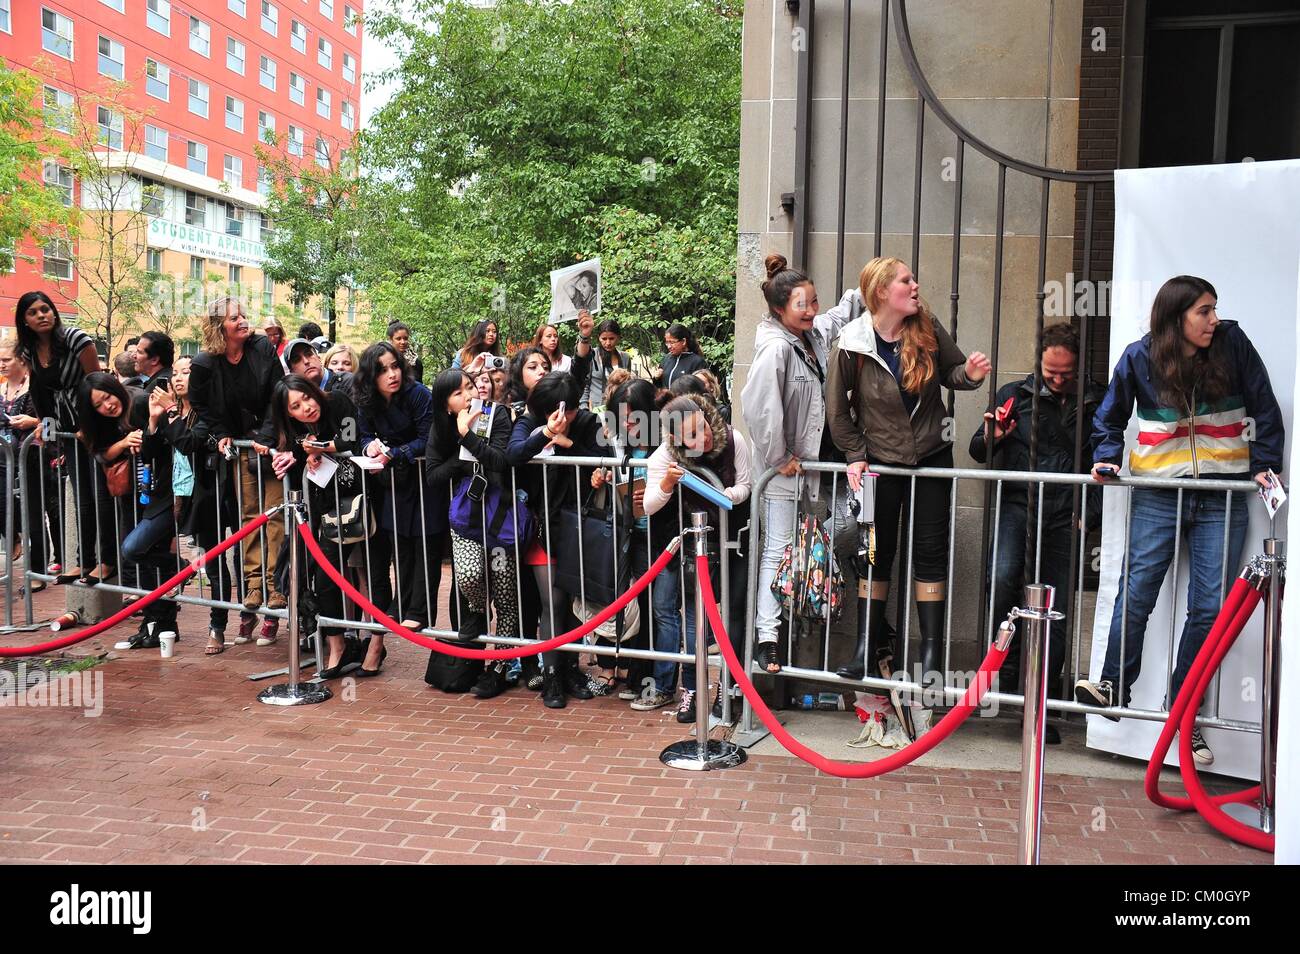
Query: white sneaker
<point x="1200" y="751"/>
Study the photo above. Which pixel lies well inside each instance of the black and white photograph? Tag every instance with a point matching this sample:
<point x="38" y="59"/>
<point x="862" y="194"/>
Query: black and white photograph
<point x="575" y="288"/>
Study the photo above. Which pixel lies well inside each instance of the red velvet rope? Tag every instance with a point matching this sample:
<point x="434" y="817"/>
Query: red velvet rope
<point x="252" y="527"/>
<point x="465" y="652"/>
<point x="959" y="714"/>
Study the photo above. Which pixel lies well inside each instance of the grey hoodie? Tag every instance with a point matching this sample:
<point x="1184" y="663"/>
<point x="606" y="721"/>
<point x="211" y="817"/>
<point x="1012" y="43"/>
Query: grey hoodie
<point x="784" y="397"/>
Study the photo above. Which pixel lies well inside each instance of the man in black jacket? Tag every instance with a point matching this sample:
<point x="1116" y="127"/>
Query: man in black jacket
<point x="154" y="355"/>
<point x="1057" y="414"/>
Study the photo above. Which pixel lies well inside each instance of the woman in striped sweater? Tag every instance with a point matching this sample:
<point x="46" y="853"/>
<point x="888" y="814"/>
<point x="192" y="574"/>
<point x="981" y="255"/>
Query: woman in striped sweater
<point x="1205" y="410"/>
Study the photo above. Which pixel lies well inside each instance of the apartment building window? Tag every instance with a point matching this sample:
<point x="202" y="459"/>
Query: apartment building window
<point x="349" y="68"/>
<point x="153" y="260"/>
<point x="263" y="185"/>
<point x="232" y="171"/>
<point x="352" y="306"/>
<point x="235" y="52"/>
<point x="155" y="142"/>
<point x="234" y="114"/>
<point x="266" y="72"/>
<point x="267" y="231"/>
<point x="157" y="80"/>
<point x="56" y="33"/>
<point x="297" y="36"/>
<point x="322" y="152"/>
<point x="196" y="157"/>
<point x="265" y="126"/>
<point x="237" y="6"/>
<point x="322" y="102"/>
<point x="118" y="5"/>
<point x="270" y="18"/>
<point x="112" y="58"/>
<point x="327" y="9"/>
<point x="325" y="53"/>
<point x="158" y="16"/>
<point x="56" y="260"/>
<point x="268" y="293"/>
<point x="110" y="127"/>
<point x="297" y="89"/>
<point x="59" y="179"/>
<point x="350" y="20"/>
<point x="347" y="116"/>
<point x="197" y="265"/>
<point x="6" y="26"/>
<point x="198" y="98"/>
<point x="234" y="219"/>
<point x="58" y="109"/>
<point x="295" y="141"/>
<point x="153" y="197"/>
<point x="235" y="274"/>
<point x="200" y="36"/>
<point x="196" y="209"/>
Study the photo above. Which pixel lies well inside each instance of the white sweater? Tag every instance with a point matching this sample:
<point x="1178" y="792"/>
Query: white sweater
<point x="657" y="467"/>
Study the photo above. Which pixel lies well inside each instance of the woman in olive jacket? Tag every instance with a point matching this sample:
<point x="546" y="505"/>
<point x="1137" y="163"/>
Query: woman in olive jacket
<point x="884" y="401"/>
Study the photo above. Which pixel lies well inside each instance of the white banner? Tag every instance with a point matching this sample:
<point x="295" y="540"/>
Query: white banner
<point x="1236" y="226"/>
<point x="204" y="243"/>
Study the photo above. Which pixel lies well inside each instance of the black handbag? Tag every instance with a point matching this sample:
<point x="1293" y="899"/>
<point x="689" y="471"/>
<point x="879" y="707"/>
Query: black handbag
<point x="589" y="532"/>
<point x="452" y="673"/>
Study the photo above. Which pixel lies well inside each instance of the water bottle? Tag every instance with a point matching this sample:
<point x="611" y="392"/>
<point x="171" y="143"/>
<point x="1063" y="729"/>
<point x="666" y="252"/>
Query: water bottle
<point x="146" y="484"/>
<point x="803" y="702"/>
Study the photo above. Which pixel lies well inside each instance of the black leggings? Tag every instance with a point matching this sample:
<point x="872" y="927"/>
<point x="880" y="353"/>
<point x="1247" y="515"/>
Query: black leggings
<point x="929" y="522"/>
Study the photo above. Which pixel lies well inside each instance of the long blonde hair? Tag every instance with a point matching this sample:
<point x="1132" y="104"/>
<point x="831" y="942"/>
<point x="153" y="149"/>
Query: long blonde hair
<point x="916" y="357"/>
<point x="214" y="335"/>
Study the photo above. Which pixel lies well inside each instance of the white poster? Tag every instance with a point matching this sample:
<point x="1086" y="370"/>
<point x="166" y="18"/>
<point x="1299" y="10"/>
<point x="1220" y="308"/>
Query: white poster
<point x="575" y="288"/>
<point x="1234" y="225"/>
<point x="1288" y="735"/>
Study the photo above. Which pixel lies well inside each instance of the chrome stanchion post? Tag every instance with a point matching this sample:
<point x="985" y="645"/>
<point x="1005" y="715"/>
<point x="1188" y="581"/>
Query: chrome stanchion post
<point x="294" y="692"/>
<point x="701" y="754"/>
<point x="1038" y="614"/>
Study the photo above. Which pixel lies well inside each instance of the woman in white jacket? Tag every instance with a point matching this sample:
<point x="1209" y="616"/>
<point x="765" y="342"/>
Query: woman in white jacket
<point x="785" y="412"/>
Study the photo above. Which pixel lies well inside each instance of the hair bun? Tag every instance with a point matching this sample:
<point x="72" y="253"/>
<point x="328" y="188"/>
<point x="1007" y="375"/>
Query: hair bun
<point x="775" y="263"/>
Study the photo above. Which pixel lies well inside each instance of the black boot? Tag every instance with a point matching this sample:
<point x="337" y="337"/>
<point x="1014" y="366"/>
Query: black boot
<point x="871" y="615"/>
<point x="472" y="626"/>
<point x="930" y="616"/>
<point x="552" y="688"/>
<point x="575" y="680"/>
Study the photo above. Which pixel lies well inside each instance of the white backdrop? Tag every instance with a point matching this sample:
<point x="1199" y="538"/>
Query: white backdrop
<point x="1235" y="226"/>
<point x="1288" y="742"/>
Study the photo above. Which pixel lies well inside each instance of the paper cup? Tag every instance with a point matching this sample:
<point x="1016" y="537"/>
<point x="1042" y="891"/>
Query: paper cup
<point x="167" y="644"/>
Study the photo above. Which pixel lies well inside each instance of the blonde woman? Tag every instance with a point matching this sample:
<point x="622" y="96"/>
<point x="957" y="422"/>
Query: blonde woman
<point x="341" y="359"/>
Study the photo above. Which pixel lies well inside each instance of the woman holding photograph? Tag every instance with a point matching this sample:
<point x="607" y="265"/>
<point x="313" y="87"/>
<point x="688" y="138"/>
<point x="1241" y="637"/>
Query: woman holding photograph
<point x="592" y="366"/>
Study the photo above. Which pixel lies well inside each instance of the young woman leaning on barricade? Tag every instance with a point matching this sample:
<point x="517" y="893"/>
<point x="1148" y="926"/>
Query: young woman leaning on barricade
<point x="554" y="428"/>
<point x="1197" y="380"/>
<point x="785" y="413"/>
<point x="60" y="357"/>
<point x="884" y="400"/>
<point x="394" y="416"/>
<point x="695" y="437"/>
<point x="124" y="429"/>
<point x="310" y="428"/>
<point x="467" y="452"/>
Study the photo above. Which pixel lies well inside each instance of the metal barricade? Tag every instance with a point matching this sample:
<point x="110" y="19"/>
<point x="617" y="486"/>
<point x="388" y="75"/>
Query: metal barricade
<point x="1037" y="481"/>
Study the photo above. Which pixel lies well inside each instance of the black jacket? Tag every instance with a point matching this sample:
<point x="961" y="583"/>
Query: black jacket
<point x="207" y="393"/>
<point x="680" y="365"/>
<point x="1056" y="422"/>
<point x="553" y="484"/>
<point x="155" y="453"/>
<point x="443" y="467"/>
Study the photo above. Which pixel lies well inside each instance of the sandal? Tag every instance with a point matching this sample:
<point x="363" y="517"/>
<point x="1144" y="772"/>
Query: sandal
<point x="603" y="684"/>
<point x="36" y="587"/>
<point x="216" y="643"/>
<point x="94" y="577"/>
<point x="767" y="657"/>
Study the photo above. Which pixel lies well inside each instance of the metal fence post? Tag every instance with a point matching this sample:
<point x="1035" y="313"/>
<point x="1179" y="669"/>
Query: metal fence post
<point x="701" y="754"/>
<point x="294" y="692"/>
<point x="1038" y="614"/>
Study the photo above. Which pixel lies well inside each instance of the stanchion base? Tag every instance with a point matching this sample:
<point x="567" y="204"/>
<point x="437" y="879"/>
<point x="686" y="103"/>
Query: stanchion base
<point x="1251" y="815"/>
<point x="303" y="694"/>
<point x="686" y="755"/>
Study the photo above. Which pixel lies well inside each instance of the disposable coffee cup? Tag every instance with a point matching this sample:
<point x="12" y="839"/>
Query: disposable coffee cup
<point x="167" y="644"/>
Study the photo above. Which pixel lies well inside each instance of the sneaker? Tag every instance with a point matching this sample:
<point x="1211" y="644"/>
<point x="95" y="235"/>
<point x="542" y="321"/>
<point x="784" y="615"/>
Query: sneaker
<point x="627" y="693"/>
<point x="490" y="683"/>
<point x="686" y="708"/>
<point x="270" y="626"/>
<point x="1200" y="751"/>
<point x="278" y="601"/>
<point x="552" y="688"/>
<point x="54" y="568"/>
<point x="253" y="599"/>
<point x="246" y="626"/>
<point x="1096" y="694"/>
<point x="143" y="638"/>
<point x="654" y="700"/>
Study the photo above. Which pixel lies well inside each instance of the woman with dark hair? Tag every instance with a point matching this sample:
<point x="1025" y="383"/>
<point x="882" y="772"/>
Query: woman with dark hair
<point x="17" y="419"/>
<point x="694" y="437"/>
<point x="309" y="424"/>
<point x="1197" y="381"/>
<point x="59" y="358"/>
<point x="548" y="339"/>
<point x="484" y="339"/>
<point x="395" y="414"/>
<point x="399" y="336"/>
<point x="591" y="367"/>
<point x="714" y="387"/>
<point x="554" y="426"/>
<point x="118" y="422"/>
<point x="464" y="422"/>
<point x="683" y="355"/>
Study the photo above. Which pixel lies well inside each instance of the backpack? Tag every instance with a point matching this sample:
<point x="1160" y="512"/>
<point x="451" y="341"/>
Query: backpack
<point x="808" y="581"/>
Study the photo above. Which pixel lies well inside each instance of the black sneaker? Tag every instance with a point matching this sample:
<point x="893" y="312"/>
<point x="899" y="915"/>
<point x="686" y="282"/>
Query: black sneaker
<point x="143" y="638"/>
<point x="1096" y="694"/>
<point x="491" y="683"/>
<point x="686" y="708"/>
<point x="552" y="688"/>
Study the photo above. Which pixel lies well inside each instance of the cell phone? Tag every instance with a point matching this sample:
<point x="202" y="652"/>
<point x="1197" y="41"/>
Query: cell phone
<point x="563" y="408"/>
<point x="316" y="445"/>
<point x="1003" y="414"/>
<point x="1111" y="469"/>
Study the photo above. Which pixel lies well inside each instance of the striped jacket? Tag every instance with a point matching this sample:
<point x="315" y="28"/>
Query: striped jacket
<point x="1238" y="436"/>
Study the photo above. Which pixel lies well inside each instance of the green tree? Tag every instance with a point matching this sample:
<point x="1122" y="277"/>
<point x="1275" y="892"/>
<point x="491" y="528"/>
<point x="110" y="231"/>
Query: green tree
<point x="27" y="206"/>
<point x="526" y="136"/>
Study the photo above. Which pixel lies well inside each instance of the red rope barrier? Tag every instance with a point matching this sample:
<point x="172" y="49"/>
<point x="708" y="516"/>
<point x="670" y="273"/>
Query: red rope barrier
<point x="959" y="714"/>
<point x="252" y="527"/>
<point x="465" y="652"/>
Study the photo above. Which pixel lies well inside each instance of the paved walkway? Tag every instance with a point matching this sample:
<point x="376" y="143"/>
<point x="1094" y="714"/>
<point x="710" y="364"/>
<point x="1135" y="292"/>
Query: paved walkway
<point x="183" y="765"/>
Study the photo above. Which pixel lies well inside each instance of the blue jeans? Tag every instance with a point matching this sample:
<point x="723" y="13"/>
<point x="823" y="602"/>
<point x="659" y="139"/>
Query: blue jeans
<point x="1154" y="530"/>
<point x="665" y="604"/>
<point x="145" y="546"/>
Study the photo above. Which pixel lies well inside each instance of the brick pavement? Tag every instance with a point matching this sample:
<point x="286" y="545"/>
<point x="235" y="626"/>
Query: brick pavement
<point x="185" y="766"/>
